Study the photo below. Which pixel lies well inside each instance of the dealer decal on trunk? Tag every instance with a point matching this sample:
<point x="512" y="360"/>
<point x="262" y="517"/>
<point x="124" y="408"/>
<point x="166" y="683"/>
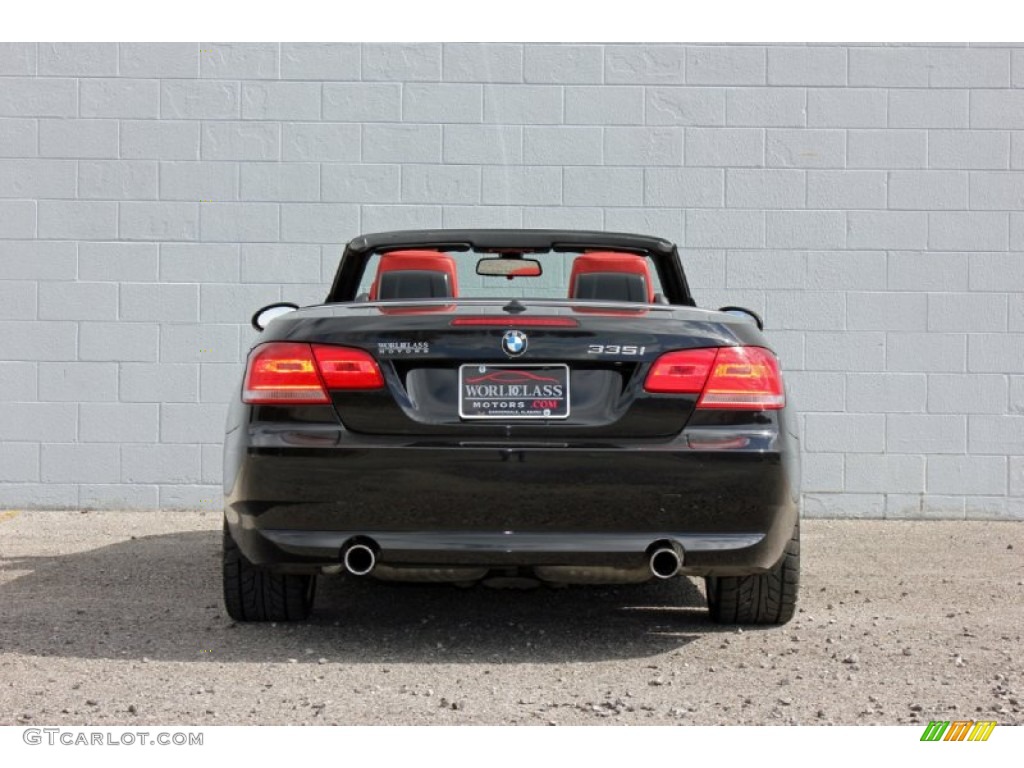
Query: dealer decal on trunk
<point x="403" y="347"/>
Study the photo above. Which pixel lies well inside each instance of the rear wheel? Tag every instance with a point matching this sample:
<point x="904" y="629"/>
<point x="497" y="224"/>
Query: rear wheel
<point x="766" y="598"/>
<point x="255" y="594"/>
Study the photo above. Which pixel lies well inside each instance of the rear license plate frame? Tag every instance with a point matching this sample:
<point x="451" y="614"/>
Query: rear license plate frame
<point x="535" y="407"/>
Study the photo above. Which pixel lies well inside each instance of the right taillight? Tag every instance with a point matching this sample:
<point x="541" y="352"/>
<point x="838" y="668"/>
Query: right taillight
<point x="727" y="377"/>
<point x="294" y="373"/>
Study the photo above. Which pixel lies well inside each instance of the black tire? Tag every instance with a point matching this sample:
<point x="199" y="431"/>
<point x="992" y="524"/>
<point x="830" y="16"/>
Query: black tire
<point x="766" y="598"/>
<point x="255" y="594"/>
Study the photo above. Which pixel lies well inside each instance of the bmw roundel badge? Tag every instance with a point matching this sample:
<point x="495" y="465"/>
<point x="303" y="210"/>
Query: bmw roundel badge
<point x="513" y="343"/>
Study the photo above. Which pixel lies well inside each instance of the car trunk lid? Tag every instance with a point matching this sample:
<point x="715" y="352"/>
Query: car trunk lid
<point x="484" y="370"/>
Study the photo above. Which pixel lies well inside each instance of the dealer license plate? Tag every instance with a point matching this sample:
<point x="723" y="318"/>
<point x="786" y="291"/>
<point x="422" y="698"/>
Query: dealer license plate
<point x="514" y="391"/>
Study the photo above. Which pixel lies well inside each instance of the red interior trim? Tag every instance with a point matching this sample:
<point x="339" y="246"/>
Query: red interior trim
<point x="611" y="261"/>
<point x="430" y="261"/>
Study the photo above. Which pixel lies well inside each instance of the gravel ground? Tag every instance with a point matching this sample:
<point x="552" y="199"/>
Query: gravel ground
<point x="116" y="618"/>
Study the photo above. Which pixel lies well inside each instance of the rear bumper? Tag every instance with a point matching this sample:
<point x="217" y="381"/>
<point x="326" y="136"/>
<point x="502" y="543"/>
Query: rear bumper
<point x="722" y="554"/>
<point x="294" y="507"/>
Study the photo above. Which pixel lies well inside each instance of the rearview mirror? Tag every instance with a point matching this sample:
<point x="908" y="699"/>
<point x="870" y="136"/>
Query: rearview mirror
<point x="263" y="316"/>
<point x="510" y="268"/>
<point x="744" y="314"/>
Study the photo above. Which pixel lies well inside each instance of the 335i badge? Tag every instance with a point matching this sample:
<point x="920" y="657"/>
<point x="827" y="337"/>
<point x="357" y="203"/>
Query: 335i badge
<point x="569" y="415"/>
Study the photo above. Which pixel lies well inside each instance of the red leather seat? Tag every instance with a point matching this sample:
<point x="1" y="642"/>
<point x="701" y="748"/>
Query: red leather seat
<point x="611" y="276"/>
<point x="415" y="275"/>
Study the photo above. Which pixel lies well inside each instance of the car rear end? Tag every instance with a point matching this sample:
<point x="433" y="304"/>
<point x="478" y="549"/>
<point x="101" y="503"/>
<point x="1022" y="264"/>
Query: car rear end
<point x="573" y="442"/>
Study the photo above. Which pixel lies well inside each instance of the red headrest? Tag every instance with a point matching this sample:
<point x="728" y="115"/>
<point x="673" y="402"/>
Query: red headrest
<point x="611" y="261"/>
<point x="427" y="261"/>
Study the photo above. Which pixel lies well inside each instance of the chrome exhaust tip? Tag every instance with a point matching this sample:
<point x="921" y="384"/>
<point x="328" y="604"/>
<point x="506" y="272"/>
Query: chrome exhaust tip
<point x="360" y="559"/>
<point x="665" y="563"/>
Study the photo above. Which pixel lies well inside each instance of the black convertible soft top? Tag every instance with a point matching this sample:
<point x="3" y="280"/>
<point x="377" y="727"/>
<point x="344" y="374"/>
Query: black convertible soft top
<point x="663" y="253"/>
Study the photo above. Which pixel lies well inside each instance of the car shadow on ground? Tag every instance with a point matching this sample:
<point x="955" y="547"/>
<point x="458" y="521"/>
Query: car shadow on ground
<point x="159" y="597"/>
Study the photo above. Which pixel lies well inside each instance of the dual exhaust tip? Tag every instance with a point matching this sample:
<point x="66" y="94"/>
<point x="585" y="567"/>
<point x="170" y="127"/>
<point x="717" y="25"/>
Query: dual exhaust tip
<point x="361" y="558"/>
<point x="665" y="562"/>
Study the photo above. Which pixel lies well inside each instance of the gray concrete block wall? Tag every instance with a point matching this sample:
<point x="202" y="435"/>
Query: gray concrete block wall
<point x="869" y="200"/>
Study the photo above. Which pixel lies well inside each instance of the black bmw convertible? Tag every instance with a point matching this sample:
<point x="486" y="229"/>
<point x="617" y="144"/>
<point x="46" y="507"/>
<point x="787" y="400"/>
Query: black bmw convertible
<point x="547" y="404"/>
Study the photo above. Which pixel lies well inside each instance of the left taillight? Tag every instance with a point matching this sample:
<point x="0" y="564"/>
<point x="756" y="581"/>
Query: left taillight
<point x="292" y="373"/>
<point x="347" y="368"/>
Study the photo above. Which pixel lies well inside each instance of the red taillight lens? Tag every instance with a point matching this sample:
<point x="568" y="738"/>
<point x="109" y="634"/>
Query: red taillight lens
<point x="744" y="377"/>
<point x="728" y="377"/>
<point x="283" y="373"/>
<point x="291" y="373"/>
<point x="680" y="372"/>
<point x="346" y="368"/>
